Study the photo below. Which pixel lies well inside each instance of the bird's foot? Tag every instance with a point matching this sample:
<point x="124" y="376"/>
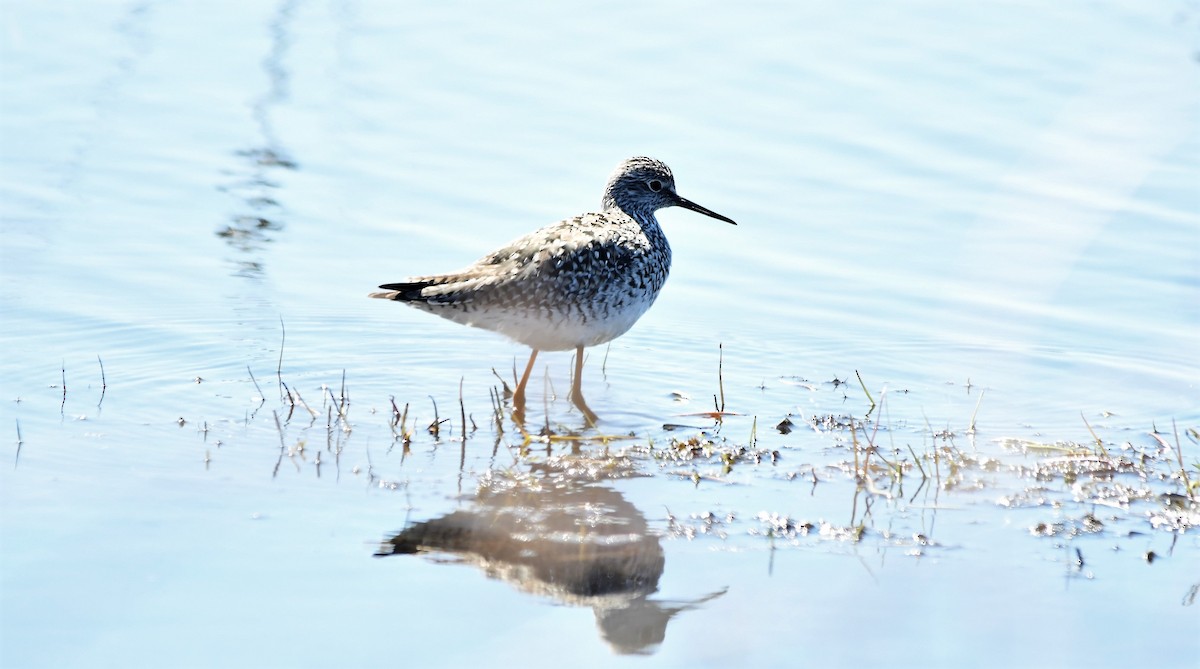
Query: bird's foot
<point x="588" y="415"/>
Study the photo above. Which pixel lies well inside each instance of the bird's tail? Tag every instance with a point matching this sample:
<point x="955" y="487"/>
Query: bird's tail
<point x="409" y="291"/>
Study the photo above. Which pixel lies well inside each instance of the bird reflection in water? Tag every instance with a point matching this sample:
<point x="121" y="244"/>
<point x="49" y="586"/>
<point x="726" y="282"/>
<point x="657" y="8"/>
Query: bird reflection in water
<point x="575" y="541"/>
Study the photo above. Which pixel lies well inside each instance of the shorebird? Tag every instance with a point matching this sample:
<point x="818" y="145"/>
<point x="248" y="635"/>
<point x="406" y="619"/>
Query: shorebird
<point x="580" y="282"/>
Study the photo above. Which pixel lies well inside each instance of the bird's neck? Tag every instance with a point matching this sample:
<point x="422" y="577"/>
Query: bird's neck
<point x="654" y="233"/>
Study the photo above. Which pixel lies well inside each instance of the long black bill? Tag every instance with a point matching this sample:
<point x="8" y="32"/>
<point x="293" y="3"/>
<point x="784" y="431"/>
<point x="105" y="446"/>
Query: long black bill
<point x="688" y="204"/>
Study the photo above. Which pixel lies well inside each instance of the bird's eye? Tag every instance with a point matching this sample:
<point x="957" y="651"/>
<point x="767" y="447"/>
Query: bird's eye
<point x="655" y="185"/>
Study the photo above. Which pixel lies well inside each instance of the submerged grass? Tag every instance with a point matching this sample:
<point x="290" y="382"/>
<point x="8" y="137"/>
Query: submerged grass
<point x="1119" y="476"/>
<point x="883" y="467"/>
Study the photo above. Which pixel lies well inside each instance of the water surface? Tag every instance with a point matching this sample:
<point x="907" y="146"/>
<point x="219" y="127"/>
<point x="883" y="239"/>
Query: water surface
<point x="989" y="212"/>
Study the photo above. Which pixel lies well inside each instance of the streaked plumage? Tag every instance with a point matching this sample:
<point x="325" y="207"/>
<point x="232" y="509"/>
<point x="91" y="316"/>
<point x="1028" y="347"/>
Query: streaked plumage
<point x="580" y="282"/>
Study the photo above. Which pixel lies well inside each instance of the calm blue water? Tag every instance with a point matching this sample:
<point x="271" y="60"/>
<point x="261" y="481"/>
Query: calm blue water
<point x="946" y="198"/>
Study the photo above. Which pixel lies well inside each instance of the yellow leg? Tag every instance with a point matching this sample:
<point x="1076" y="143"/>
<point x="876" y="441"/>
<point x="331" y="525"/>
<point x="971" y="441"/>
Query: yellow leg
<point x="577" y="388"/>
<point x="518" y="398"/>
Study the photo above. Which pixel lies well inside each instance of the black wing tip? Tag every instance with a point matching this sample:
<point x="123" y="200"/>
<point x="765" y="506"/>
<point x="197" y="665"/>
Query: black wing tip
<point x="401" y="292"/>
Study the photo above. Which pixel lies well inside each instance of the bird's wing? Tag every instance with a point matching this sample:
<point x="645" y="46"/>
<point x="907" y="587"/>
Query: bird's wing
<point x="580" y="248"/>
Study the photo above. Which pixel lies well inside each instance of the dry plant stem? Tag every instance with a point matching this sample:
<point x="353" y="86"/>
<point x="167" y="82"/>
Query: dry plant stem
<point x="897" y="471"/>
<point x="398" y="418"/>
<point x="1100" y="449"/>
<point x="546" y="391"/>
<point x="462" y="461"/>
<point x="885" y="414"/>
<point x="329" y="429"/>
<point x="937" y="465"/>
<point x="875" y="432"/>
<point x="504" y="384"/>
<point x="399" y="425"/>
<point x="291" y="405"/>
<point x="103" y="382"/>
<point x="917" y="462"/>
<point x="255" y="381"/>
<point x="867" y="392"/>
<point x="341" y="409"/>
<point x="436" y="425"/>
<point x="370" y="465"/>
<point x="1179" y="453"/>
<point x="721" y="375"/>
<point x="20" y="441"/>
<point x="971" y="429"/>
<point x="279" y="365"/>
<point x="859" y="472"/>
<point x="462" y="411"/>
<point x="282" y="447"/>
<point x="497" y="409"/>
<point x="297" y="399"/>
<point x="870" y="450"/>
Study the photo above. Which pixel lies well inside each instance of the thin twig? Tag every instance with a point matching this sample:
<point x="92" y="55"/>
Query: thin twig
<point x="503" y="383"/>
<point x="1179" y="453"/>
<point x="290" y="400"/>
<point x="462" y="411"/>
<point x="297" y="399"/>
<point x="971" y="429"/>
<point x="345" y="402"/>
<point x="404" y="422"/>
<point x="19" y="442"/>
<point x="261" y="398"/>
<point x="435" y="426"/>
<point x="256" y="386"/>
<point x="937" y="464"/>
<point x="1101" y="450"/>
<point x="497" y="409"/>
<point x="548" y="390"/>
<point x="329" y="428"/>
<point x="103" y="382"/>
<point x="395" y="423"/>
<point x="340" y="406"/>
<point x="864" y="387"/>
<point x="917" y="462"/>
<point x="282" y="447"/>
<point x="858" y="474"/>
<point x="721" y="374"/>
<point x="279" y="366"/>
<point x="875" y="432"/>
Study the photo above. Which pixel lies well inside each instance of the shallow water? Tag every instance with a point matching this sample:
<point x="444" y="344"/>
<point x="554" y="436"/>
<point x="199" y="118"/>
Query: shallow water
<point x="989" y="212"/>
